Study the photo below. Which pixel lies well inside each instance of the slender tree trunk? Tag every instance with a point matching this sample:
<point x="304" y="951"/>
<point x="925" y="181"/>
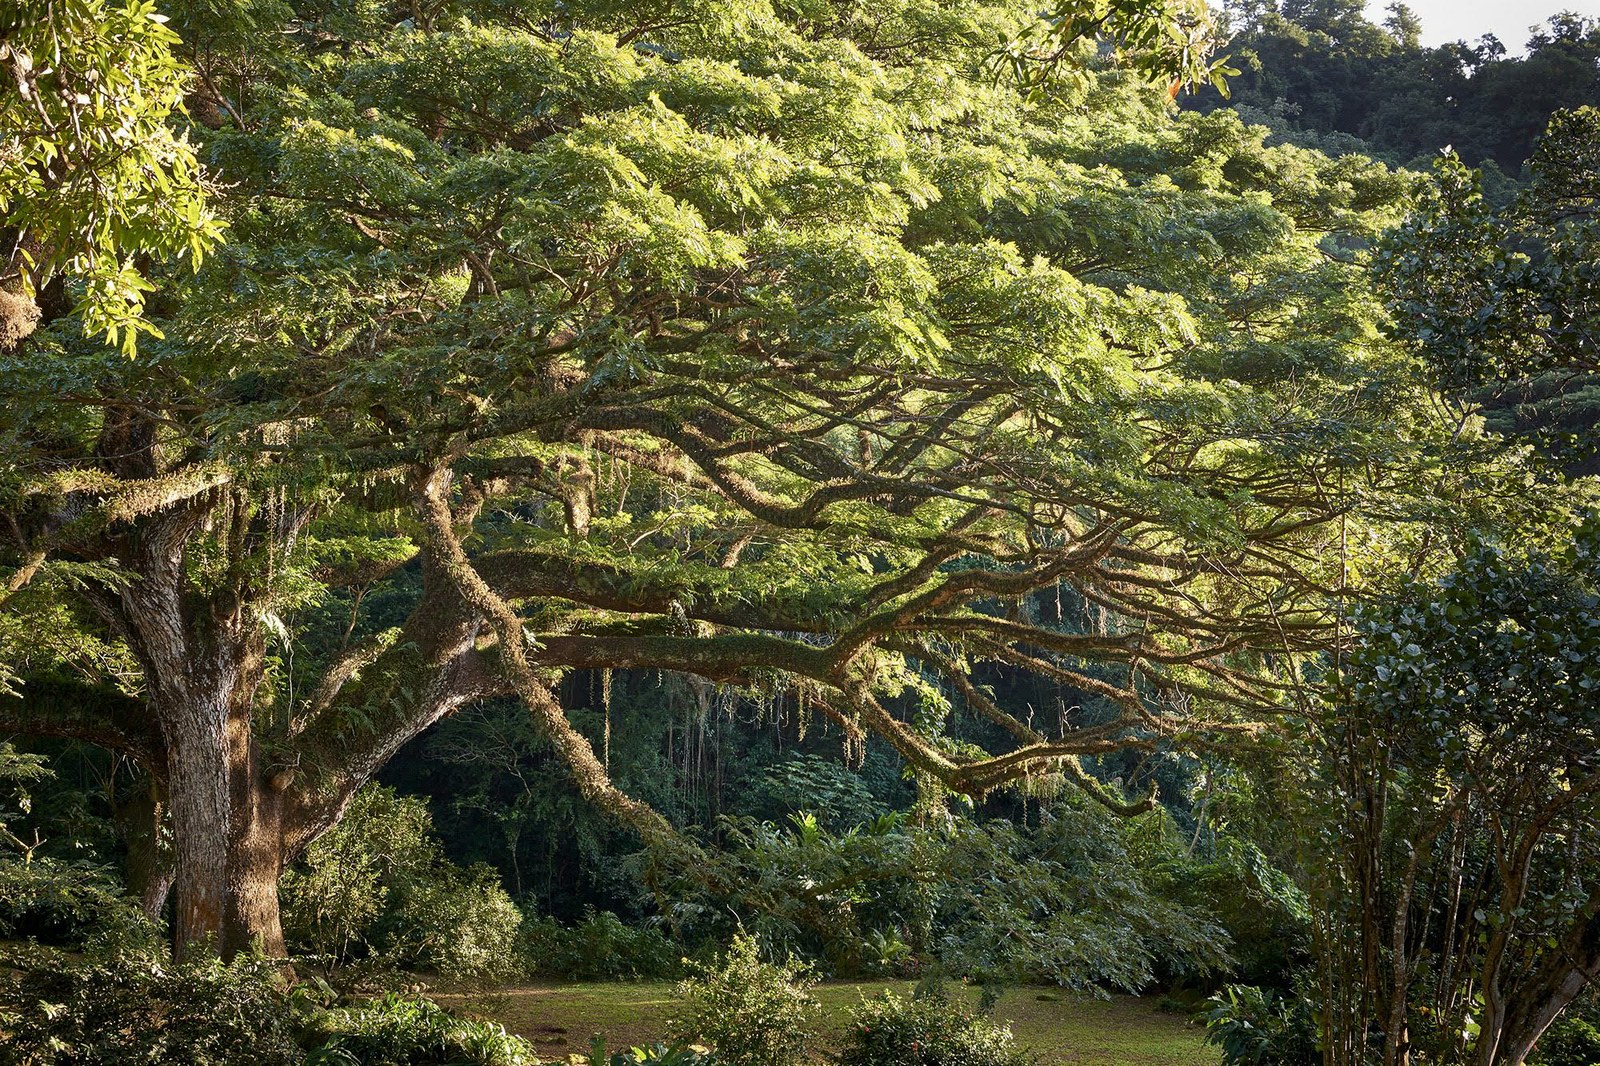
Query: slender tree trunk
<point x="1540" y="1000"/>
<point x="149" y="863"/>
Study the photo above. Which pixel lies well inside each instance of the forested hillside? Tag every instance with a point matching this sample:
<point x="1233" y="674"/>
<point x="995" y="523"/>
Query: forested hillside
<point x="1321" y="73"/>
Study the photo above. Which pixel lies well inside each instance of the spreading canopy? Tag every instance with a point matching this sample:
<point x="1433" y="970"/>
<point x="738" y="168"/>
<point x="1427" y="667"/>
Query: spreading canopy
<point x="788" y="349"/>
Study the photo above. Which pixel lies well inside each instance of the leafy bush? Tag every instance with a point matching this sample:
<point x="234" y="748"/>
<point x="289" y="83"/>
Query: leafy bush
<point x="600" y="947"/>
<point x="334" y="897"/>
<point x="928" y="1029"/>
<point x="67" y="904"/>
<point x="752" y="1012"/>
<point x="398" y="1031"/>
<point x="134" y="1010"/>
<point x="460" y="923"/>
<point x="378" y="883"/>
<point x="1257" y="1028"/>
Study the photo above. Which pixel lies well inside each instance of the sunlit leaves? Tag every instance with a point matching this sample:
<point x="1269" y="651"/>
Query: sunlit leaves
<point x="92" y="173"/>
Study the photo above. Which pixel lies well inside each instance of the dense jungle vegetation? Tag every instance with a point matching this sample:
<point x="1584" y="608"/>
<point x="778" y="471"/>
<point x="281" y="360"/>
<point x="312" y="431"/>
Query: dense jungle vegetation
<point x="998" y="507"/>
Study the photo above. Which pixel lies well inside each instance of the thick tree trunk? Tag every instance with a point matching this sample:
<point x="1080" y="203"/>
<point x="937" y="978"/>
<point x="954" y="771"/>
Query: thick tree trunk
<point x="204" y="663"/>
<point x="227" y="817"/>
<point x="255" y="850"/>
<point x="198" y="789"/>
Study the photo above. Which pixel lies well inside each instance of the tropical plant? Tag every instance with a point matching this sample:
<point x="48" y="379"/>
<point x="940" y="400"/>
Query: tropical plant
<point x="134" y="1009"/>
<point x="654" y="1055"/>
<point x="1256" y="1027"/>
<point x="752" y="1012"/>
<point x="395" y="1030"/>
<point x="929" y="1029"/>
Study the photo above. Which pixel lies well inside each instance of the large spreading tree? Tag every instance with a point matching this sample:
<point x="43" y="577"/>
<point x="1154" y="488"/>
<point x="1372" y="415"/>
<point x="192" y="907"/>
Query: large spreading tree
<point x="791" y="347"/>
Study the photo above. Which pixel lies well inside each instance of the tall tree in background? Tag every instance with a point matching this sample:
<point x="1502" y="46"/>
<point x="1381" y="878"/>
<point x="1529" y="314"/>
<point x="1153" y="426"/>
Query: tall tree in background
<point x="790" y="352"/>
<point x="1459" y="914"/>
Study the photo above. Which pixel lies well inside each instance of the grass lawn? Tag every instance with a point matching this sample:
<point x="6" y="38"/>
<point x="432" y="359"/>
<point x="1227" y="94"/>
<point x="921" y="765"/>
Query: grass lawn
<point x="1056" y="1028"/>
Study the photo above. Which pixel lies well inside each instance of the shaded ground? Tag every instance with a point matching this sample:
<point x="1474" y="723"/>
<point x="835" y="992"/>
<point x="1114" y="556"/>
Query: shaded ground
<point x="1125" y="1031"/>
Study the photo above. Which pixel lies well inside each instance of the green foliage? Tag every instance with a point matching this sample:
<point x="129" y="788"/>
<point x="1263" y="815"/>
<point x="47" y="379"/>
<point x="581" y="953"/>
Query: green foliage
<point x="377" y="882"/>
<point x="752" y="1012"/>
<point x="929" y="1029"/>
<point x="92" y="173"/>
<point x="655" y="1055"/>
<point x="19" y="771"/>
<point x="333" y="898"/>
<point x="600" y="946"/>
<point x="68" y="904"/>
<point x="1081" y="900"/>
<point x="805" y="783"/>
<point x="394" y="1030"/>
<point x="1503" y="301"/>
<point x="1253" y="1027"/>
<point x="1166" y="41"/>
<point x="133" y="1009"/>
<point x="1485" y="675"/>
<point x="459" y="923"/>
<point x="1266" y="915"/>
<point x="136" y="1009"/>
<point x="47" y="899"/>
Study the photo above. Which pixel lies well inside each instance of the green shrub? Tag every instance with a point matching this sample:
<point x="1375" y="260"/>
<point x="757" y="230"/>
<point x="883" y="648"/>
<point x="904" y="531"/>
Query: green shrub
<point x="600" y="947"/>
<point x="928" y="1029"/>
<point x="1571" y="1040"/>
<point x="399" y="1031"/>
<point x="1256" y="1028"/>
<point x="335" y="896"/>
<point x="459" y="923"/>
<point x="752" y="1012"/>
<point x="378" y="884"/>
<point x="67" y="904"/>
<point x="134" y="1010"/>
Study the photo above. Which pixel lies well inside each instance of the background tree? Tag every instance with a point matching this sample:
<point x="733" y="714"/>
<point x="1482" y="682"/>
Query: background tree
<point x="1325" y="75"/>
<point x="1460" y="919"/>
<point x="1503" y="303"/>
